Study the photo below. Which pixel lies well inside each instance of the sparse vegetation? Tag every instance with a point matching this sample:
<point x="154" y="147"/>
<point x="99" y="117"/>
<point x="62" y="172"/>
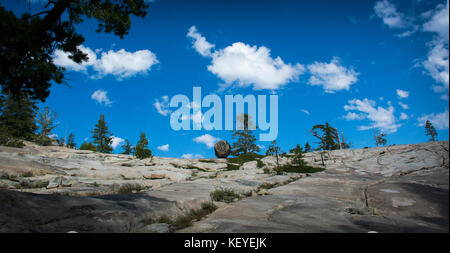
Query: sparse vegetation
<point x="129" y="188"/>
<point x="185" y="220"/>
<point x="234" y="163"/>
<point x="224" y="195"/>
<point x="206" y="161"/>
<point x="288" y="168"/>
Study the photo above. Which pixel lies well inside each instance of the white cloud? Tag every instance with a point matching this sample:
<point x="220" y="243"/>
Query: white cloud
<point x="389" y="14"/>
<point x="438" y="22"/>
<point x="404" y="106"/>
<point x="101" y="97"/>
<point x="354" y="116"/>
<point x="202" y="46"/>
<point x="116" y="141"/>
<point x="437" y="65"/>
<point x="125" y="64"/>
<point x="191" y="156"/>
<point x="162" y="105"/>
<point x="439" y="120"/>
<point x="305" y="111"/>
<point x="61" y="58"/>
<point x="332" y="76"/>
<point x="163" y="147"/>
<point x="380" y="117"/>
<point x="207" y="139"/>
<point x="404" y="116"/>
<point x="391" y="17"/>
<point x="244" y="65"/>
<point x="402" y="93"/>
<point x="120" y="64"/>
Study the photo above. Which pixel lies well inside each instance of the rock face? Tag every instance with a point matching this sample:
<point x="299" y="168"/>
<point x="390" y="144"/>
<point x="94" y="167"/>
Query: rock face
<point x="400" y="188"/>
<point x="222" y="149"/>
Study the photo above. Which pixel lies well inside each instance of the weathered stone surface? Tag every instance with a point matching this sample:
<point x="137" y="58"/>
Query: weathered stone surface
<point x="400" y="188"/>
<point x="222" y="149"/>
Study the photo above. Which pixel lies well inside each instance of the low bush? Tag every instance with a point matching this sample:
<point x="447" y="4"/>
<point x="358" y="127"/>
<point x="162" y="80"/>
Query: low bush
<point x="224" y="195"/>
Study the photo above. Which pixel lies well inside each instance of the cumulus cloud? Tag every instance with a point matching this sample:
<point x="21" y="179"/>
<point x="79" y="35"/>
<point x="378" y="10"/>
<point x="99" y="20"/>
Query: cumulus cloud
<point x="403" y="105"/>
<point x="121" y="64"/>
<point x="437" y="65"/>
<point x="439" y="120"/>
<point x="200" y="44"/>
<point x="162" y="105"/>
<point x="402" y="93"/>
<point x="207" y="139"/>
<point x="116" y="141"/>
<point x="387" y="11"/>
<point x="382" y="118"/>
<point x="403" y="116"/>
<point x="394" y="19"/>
<point x="332" y="76"/>
<point x="163" y="147"/>
<point x="438" y="21"/>
<point x="244" y="65"/>
<point x="191" y="156"/>
<point x="101" y="97"/>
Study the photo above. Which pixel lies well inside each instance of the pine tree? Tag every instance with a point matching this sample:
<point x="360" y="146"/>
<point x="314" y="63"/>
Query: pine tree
<point x="274" y="150"/>
<point x="297" y="159"/>
<point x="328" y="137"/>
<point x="71" y="141"/>
<point x="88" y="146"/>
<point x="245" y="142"/>
<point x="102" y="136"/>
<point x="17" y="117"/>
<point x="28" y="42"/>
<point x="141" y="150"/>
<point x="127" y="148"/>
<point x="379" y="138"/>
<point x="46" y="120"/>
<point x="307" y="147"/>
<point x="430" y="131"/>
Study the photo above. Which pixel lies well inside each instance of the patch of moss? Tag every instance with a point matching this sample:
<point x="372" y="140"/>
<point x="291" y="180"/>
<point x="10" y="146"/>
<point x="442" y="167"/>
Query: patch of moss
<point x="243" y="158"/>
<point x="224" y="195"/>
<point x="206" y="161"/>
<point x="129" y="188"/>
<point x="303" y="169"/>
<point x="231" y="166"/>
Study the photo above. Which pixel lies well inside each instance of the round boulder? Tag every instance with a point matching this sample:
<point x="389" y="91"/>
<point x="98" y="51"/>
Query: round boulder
<point x="222" y="149"/>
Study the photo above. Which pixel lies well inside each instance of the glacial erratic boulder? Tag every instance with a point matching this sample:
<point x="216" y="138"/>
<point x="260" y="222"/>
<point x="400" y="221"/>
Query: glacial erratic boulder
<point x="222" y="149"/>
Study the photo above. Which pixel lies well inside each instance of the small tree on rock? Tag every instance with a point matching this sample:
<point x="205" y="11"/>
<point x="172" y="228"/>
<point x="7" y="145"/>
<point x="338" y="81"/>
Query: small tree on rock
<point x="307" y="147"/>
<point x="245" y="142"/>
<point x="274" y="150"/>
<point x="141" y="150"/>
<point x="46" y="120"/>
<point x="127" y="148"/>
<point x="430" y="131"/>
<point x="380" y="138"/>
<point x="102" y="136"/>
<point x="88" y="146"/>
<point x="297" y="159"/>
<point x="71" y="141"/>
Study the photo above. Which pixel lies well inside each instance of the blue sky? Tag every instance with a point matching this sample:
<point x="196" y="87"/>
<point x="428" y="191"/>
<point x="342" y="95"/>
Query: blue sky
<point x="354" y="64"/>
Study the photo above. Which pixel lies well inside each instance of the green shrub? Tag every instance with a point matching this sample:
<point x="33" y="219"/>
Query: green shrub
<point x="10" y="141"/>
<point x="129" y="188"/>
<point x="225" y="195"/>
<point x="296" y="169"/>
